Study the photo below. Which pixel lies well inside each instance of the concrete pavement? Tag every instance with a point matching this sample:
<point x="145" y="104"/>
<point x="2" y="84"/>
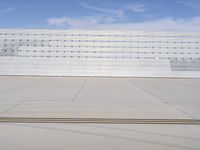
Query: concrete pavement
<point x="143" y="98"/>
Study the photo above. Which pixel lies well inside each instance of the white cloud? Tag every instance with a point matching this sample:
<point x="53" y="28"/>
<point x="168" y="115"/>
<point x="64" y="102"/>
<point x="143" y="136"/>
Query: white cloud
<point x="109" y="11"/>
<point x="3" y="4"/>
<point x="194" y="4"/>
<point x="115" y="19"/>
<point x="6" y="10"/>
<point x="74" y="22"/>
<point x="106" y="16"/>
<point x="165" y="24"/>
<point x="190" y="3"/>
<point x="137" y="7"/>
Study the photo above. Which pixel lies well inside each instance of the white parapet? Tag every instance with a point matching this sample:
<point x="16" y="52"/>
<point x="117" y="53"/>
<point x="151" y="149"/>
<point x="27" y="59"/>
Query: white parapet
<point x="99" y="53"/>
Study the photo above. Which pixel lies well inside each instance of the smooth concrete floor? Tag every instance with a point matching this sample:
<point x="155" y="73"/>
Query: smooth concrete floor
<point x="160" y="98"/>
<point x="98" y="137"/>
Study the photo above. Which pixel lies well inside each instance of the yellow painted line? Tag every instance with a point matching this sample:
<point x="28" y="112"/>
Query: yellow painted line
<point x="99" y="120"/>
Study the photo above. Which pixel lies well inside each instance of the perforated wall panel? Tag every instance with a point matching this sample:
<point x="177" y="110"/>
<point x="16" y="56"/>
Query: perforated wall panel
<point x="99" y="53"/>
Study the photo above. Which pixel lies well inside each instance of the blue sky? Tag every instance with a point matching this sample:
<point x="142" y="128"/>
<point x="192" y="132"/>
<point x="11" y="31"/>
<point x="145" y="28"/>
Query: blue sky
<point x="101" y="14"/>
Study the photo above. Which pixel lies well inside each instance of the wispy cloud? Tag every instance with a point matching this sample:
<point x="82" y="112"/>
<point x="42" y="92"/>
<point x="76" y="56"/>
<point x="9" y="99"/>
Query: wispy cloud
<point x="114" y="18"/>
<point x="165" y="24"/>
<point x="190" y="3"/>
<point x="11" y="7"/>
<point x="109" y="11"/>
<point x="136" y="7"/>
<point x="103" y="16"/>
<point x="75" y="22"/>
<point x="194" y="4"/>
<point x="4" y="11"/>
<point x="6" y="8"/>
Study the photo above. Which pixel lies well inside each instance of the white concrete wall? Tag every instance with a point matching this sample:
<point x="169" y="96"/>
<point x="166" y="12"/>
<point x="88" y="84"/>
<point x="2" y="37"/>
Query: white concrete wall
<point x="99" y="53"/>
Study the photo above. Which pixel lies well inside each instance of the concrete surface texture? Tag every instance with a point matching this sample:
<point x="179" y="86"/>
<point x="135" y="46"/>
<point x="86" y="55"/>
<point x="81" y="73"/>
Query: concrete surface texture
<point x="151" y="98"/>
<point x="157" y="98"/>
<point x="98" y="137"/>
